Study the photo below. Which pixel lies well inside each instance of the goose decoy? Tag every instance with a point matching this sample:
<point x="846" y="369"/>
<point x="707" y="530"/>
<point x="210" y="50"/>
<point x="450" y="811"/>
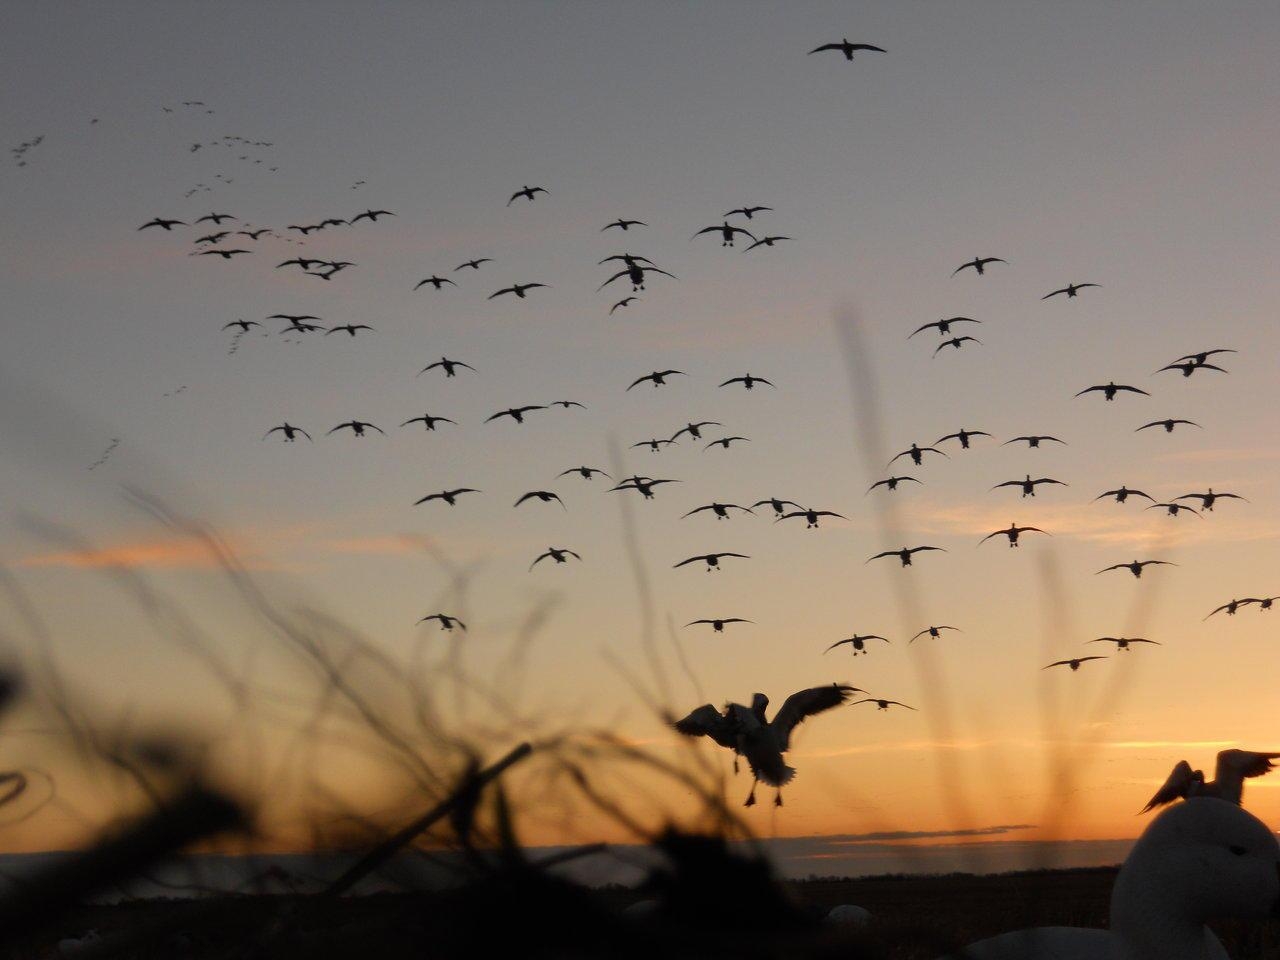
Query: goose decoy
<point x="765" y="242"/>
<point x="747" y="212"/>
<point x="1191" y="367"/>
<point x="546" y="496"/>
<point x="1013" y="532"/>
<point x="1071" y="290"/>
<point x="1231" y="606"/>
<point x="1204" y="355"/>
<point x="558" y="554"/>
<point x="695" y="429"/>
<point x="717" y="625"/>
<point x="622" y="303"/>
<point x="748" y="381"/>
<point x="623" y="224"/>
<point x="371" y="215"/>
<point x="934" y="632"/>
<point x="881" y="704"/>
<point x="955" y="342"/>
<point x="857" y="643"/>
<point x="1173" y="509"/>
<point x="653" y="445"/>
<point x="721" y="510"/>
<point x="890" y="483"/>
<point x="357" y="427"/>
<point x="727" y="232"/>
<point x="585" y="472"/>
<point x="1135" y="566"/>
<point x="349" y="328"/>
<point x="979" y="264"/>
<point x="160" y="222"/>
<point x="635" y="272"/>
<point x="944" y="326"/>
<point x="428" y="421"/>
<point x="779" y="506"/>
<point x="745" y="731"/>
<point x="435" y="281"/>
<point x="527" y="192"/>
<point x="712" y="560"/>
<point x="963" y="436"/>
<point x="1122" y="643"/>
<point x="519" y="289"/>
<point x="448" y="366"/>
<point x="473" y="264"/>
<point x="811" y="517"/>
<point x="515" y="413"/>
<point x="244" y="325"/>
<point x="904" y="554"/>
<point x="644" y="485"/>
<point x="224" y="254"/>
<point x="1073" y="663"/>
<point x="446" y="622"/>
<point x="1233" y="767"/>
<point x="659" y="377"/>
<point x="724" y="442"/>
<point x="1209" y="498"/>
<point x="847" y="48"/>
<point x="1109" y="390"/>
<point x="289" y="430"/>
<point x="1167" y="424"/>
<point x="1028" y="485"/>
<point x="448" y="496"/>
<point x="1033" y="442"/>
<point x="1122" y="493"/>
<point x="916" y="453"/>
<point x="215" y="218"/>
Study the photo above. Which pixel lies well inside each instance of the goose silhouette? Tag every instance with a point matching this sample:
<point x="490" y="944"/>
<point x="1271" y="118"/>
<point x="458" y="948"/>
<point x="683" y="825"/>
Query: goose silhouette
<point x="1201" y="860"/>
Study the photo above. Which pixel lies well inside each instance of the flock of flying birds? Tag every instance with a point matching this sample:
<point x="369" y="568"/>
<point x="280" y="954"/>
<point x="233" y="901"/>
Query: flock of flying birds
<point x="744" y="730"/>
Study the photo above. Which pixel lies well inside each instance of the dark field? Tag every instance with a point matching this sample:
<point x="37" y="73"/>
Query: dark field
<point x="914" y="917"/>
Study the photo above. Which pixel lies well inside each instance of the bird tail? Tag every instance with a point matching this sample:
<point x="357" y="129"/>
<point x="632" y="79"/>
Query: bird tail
<point x="778" y="776"/>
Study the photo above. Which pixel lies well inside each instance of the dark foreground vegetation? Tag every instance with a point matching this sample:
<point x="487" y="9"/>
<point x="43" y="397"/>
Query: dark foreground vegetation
<point x="912" y="917"/>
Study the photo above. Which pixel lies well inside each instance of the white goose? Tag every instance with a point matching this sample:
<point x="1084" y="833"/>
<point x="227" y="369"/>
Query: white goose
<point x="1201" y="860"/>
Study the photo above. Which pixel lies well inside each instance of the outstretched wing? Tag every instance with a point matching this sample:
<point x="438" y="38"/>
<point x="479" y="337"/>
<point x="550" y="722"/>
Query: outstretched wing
<point x="1235" y="765"/>
<point x="707" y="721"/>
<point x="805" y="704"/>
<point x="1176" y="786"/>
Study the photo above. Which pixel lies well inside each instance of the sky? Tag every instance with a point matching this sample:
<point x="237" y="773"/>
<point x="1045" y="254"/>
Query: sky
<point x="1133" y="146"/>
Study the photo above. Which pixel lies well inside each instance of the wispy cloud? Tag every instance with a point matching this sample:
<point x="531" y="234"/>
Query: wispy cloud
<point x="1220" y="455"/>
<point x="188" y="553"/>
<point x="899" y="835"/>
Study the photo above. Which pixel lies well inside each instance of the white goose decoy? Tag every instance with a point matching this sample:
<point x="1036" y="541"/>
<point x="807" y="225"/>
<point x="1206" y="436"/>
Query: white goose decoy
<point x="1199" y="861"/>
<point x="1232" y="768"/>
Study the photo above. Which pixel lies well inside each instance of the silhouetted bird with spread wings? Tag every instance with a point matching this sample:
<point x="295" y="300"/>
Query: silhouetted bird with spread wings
<point x="955" y="342"/>
<point x="448" y="496"/>
<point x="944" y="326"/>
<point x="1033" y="441"/>
<point x="428" y="421"/>
<point x="979" y="265"/>
<point x="890" y="483"/>
<point x="1012" y="532"/>
<point x="695" y="429"/>
<point x="717" y="625"/>
<point x="519" y="289"/>
<point x="749" y="381"/>
<point x="1071" y="290"/>
<point x="1122" y="643"/>
<point x="721" y="510"/>
<point x="659" y="377"/>
<point x="847" y="48"/>
<point x="779" y="506"/>
<point x="916" y="453"/>
<point x="515" y="413"/>
<point x="1173" y="509"/>
<point x="905" y="554"/>
<point x="1122" y="493"/>
<point x="1028" y="485"/>
<point x="435" y="281"/>
<point x="290" y="432"/>
<point x="450" y="367"/>
<point x="558" y="554"/>
<point x="934" y="632"/>
<point x="527" y="192"/>
<point x="623" y="224"/>
<point x="811" y="517"/>
<point x="747" y="212"/>
<point x="1209" y="498"/>
<point x="446" y="622"/>
<point x="244" y="325"/>
<point x="585" y="472"/>
<point x="357" y="427"/>
<point x="1191" y="367"/>
<point x="857" y="643"/>
<point x="727" y="232"/>
<point x="1167" y="424"/>
<point x="746" y="732"/>
<point x="963" y="436"/>
<point x="712" y="560"/>
<point x="1137" y="566"/>
<point x="161" y="222"/>
<point x="1073" y="663"/>
<point x="546" y="496"/>
<point x="1109" y="390"/>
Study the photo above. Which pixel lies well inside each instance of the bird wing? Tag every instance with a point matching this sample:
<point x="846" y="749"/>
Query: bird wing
<point x="1089" y="390"/>
<point x="1133" y="389"/>
<point x="1177" y="785"/>
<point x="804" y="704"/>
<point x="690" y="560"/>
<point x="826" y="46"/>
<point x="501" y="292"/>
<point x="1235" y="765"/>
<point x="1054" y="294"/>
<point x="867" y="46"/>
<point x="707" y="721"/>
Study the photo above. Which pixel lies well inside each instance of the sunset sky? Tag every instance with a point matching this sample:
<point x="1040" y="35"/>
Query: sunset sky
<point x="1129" y="145"/>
